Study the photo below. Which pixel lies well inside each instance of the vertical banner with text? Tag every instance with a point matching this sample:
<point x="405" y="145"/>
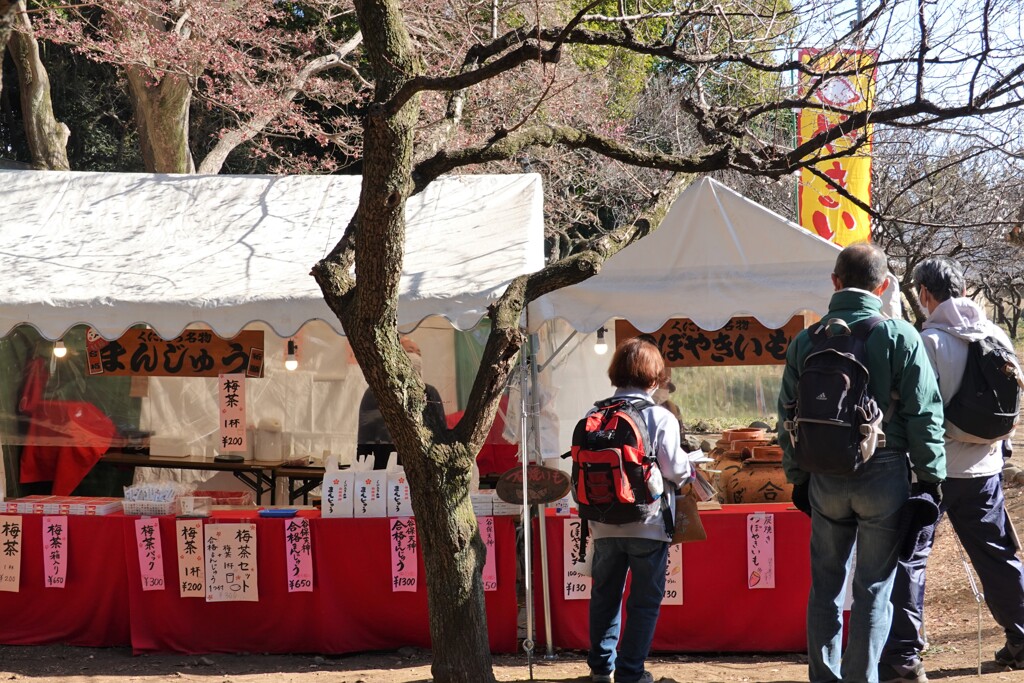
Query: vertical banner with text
<point x="191" y="558"/>
<point x="151" y="556"/>
<point x="761" y="550"/>
<point x="10" y="553"/>
<point x="231" y="569"/>
<point x="298" y="550"/>
<point x="674" y="576"/>
<point x="576" y="581"/>
<point x="232" y="413"/>
<point x="841" y="83"/>
<point x="490" y="573"/>
<point x="55" y="551"/>
<point x="404" y="576"/>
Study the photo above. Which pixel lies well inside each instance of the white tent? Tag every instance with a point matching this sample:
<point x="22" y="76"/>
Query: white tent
<point x="716" y="255"/>
<point x="114" y="249"/>
<point x="111" y="250"/>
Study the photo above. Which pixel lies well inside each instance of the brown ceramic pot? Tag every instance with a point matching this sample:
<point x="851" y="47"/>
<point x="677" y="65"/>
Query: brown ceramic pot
<point x="746" y="446"/>
<point x="743" y="433"/>
<point x="725" y="465"/>
<point x="754" y="483"/>
<point x="767" y="453"/>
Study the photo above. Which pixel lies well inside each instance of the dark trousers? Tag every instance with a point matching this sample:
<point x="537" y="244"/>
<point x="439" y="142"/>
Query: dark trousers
<point x="978" y="515"/>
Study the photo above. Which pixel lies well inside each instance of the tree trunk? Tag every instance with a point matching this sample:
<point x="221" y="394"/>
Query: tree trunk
<point x="453" y="556"/>
<point x="8" y="13"/>
<point x="161" y="114"/>
<point x="47" y="137"/>
<point x="437" y="466"/>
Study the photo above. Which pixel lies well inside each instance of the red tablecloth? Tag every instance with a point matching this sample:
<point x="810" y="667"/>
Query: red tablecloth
<point x="719" y="612"/>
<point x="351" y="609"/>
<point x="92" y="609"/>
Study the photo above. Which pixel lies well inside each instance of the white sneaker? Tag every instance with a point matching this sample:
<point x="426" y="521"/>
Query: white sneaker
<point x="601" y="678"/>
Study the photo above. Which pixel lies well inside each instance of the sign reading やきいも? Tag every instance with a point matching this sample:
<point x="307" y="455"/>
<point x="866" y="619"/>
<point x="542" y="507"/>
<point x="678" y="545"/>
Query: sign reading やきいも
<point x="741" y="341"/>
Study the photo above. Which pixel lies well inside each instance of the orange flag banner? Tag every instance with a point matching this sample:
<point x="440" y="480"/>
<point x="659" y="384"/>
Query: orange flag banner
<point x="823" y="210"/>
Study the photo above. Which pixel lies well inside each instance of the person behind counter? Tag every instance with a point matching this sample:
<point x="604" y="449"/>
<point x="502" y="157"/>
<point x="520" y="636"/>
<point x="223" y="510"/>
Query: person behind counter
<point x="374" y="440"/>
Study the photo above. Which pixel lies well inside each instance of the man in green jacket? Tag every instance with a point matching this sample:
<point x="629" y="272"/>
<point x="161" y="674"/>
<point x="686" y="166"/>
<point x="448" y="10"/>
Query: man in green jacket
<point x="865" y="506"/>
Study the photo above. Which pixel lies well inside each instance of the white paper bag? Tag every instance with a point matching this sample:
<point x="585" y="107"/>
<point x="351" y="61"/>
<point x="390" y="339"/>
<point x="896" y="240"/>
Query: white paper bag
<point x="369" y="498"/>
<point x="399" y="503"/>
<point x="337" y="491"/>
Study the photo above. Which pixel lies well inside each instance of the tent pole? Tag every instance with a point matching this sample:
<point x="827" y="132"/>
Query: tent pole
<point x="554" y="354"/>
<point x="528" y="642"/>
<point x="541" y="509"/>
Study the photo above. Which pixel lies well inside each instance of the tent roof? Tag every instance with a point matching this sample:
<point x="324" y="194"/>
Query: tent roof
<point x="113" y="249"/>
<point x="716" y="255"/>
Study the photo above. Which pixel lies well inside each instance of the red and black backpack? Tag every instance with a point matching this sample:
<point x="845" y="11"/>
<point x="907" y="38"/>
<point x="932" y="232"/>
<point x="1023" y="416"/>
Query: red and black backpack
<point x="612" y="465"/>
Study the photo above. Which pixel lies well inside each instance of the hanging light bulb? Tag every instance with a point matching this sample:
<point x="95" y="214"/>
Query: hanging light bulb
<point x="59" y="350"/>
<point x="601" y="346"/>
<point x="290" y="361"/>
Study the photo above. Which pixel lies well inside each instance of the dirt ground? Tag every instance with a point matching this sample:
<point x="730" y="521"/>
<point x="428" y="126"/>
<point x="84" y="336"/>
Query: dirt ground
<point x="951" y="621"/>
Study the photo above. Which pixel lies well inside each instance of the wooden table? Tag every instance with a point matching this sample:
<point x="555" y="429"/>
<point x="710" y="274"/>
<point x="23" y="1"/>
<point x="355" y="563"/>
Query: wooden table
<point x="257" y="475"/>
<point x="307" y="476"/>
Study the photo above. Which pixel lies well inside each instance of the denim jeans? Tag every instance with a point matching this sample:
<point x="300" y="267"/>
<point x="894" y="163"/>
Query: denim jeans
<point x="976" y="511"/>
<point x="865" y="508"/>
<point x="646" y="560"/>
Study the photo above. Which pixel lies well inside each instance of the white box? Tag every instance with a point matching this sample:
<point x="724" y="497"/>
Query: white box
<point x="369" y="494"/>
<point x="399" y="503"/>
<point x="483" y="504"/>
<point x="168" y="446"/>
<point x="503" y="508"/>
<point x="337" y="493"/>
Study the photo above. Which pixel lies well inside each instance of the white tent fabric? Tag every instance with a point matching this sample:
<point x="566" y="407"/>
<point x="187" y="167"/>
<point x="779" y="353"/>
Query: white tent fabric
<point x="716" y="255"/>
<point x="113" y="249"/>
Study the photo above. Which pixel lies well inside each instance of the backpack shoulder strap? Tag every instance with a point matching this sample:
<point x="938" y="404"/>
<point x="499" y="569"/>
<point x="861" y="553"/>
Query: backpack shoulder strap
<point x="862" y="329"/>
<point x="638" y="403"/>
<point x="641" y="403"/>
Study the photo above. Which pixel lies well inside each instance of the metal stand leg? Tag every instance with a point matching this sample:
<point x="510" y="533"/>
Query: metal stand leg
<point x="979" y="597"/>
<point x="549" y="653"/>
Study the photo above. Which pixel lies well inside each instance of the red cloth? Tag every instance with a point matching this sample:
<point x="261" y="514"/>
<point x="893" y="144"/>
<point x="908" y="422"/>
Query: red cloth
<point x="719" y="613"/>
<point x="65" y="438"/>
<point x="351" y="608"/>
<point x="497" y="455"/>
<point x="92" y="609"/>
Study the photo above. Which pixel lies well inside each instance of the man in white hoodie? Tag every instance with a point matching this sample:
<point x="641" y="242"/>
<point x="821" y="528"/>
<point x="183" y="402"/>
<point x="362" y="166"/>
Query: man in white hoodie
<point x="972" y="495"/>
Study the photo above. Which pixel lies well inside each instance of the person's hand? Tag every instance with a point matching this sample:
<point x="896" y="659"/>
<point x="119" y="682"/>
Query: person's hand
<point x="802" y="497"/>
<point x="932" y="489"/>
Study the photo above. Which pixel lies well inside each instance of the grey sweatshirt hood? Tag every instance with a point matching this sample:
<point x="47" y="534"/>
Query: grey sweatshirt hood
<point x="960" y="317"/>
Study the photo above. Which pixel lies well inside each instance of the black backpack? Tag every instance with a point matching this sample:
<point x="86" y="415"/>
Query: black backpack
<point x="987" y="404"/>
<point x="834" y="421"/>
<point x="613" y="465"/>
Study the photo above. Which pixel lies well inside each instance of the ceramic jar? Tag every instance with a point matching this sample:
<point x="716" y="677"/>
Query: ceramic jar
<point x="747" y="446"/>
<point x="726" y="465"/>
<point x="740" y="433"/>
<point x="754" y="482"/>
<point x="767" y="454"/>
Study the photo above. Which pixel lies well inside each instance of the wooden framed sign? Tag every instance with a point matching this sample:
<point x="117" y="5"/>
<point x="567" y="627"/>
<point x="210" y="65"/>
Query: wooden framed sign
<point x="741" y="341"/>
<point x="194" y="353"/>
